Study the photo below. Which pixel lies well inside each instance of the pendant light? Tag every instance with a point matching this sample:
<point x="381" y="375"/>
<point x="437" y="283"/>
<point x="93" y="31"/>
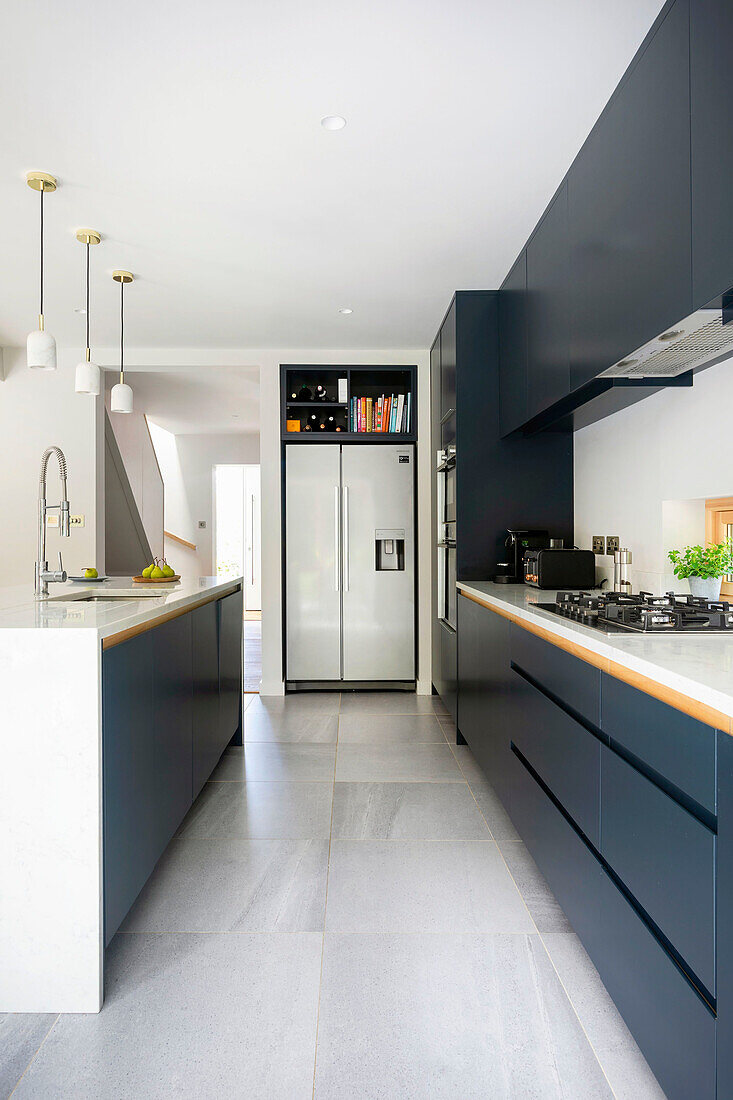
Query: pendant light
<point x="41" y="346"/>
<point x="88" y="374"/>
<point x="121" y="396"/>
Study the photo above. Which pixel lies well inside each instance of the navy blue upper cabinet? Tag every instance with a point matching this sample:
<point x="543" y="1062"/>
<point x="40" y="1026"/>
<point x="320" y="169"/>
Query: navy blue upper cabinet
<point x="513" y="347"/>
<point x="548" y="307"/>
<point x="629" y="208"/>
<point x="448" y="356"/>
<point x="711" y="82"/>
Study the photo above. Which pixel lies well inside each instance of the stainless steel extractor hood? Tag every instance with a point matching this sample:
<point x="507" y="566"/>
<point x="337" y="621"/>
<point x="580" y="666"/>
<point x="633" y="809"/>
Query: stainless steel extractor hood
<point x="698" y="341"/>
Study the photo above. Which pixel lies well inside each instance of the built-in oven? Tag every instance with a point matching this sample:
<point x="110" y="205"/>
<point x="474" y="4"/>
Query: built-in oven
<point x="446" y="536"/>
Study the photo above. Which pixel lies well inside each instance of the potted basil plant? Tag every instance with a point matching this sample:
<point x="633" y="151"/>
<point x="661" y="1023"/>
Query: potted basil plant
<point x="704" y="567"/>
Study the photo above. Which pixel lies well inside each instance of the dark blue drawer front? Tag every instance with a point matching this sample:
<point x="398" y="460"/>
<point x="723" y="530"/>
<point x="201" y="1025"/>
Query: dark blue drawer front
<point x="665" y="857"/>
<point x="575" y="682"/>
<point x="564" y="754"/>
<point x="678" y="747"/>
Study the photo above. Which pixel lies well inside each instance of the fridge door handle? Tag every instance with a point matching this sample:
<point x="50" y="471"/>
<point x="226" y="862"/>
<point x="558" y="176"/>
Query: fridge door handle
<point x="336" y="545"/>
<point x="345" y="541"/>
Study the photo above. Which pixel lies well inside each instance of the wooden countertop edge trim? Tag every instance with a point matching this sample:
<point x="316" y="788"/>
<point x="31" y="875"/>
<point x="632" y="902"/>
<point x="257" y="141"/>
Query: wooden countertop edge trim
<point x="175" y="613"/>
<point x="704" y="713"/>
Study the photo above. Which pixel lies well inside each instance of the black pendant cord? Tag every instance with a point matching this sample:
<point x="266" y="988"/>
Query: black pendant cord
<point x="122" y="330"/>
<point x="87" y="296"/>
<point x="41" y="264"/>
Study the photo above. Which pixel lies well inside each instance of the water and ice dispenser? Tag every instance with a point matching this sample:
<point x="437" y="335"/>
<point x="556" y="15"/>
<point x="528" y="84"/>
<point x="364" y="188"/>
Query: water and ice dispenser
<point x="390" y="549"/>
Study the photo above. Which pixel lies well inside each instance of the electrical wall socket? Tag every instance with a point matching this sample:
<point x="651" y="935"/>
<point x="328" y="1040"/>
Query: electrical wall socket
<point x="612" y="543"/>
<point x="76" y="521"/>
<point x="599" y="544"/>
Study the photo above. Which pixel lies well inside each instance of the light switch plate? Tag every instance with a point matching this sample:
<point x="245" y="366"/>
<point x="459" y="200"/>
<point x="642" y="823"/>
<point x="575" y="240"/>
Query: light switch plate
<point x="76" y="521"/>
<point x="52" y="520"/>
<point x="599" y="544"/>
<point x="612" y="543"/>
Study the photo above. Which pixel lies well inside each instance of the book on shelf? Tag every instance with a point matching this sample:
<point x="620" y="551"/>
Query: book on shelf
<point x="387" y="413"/>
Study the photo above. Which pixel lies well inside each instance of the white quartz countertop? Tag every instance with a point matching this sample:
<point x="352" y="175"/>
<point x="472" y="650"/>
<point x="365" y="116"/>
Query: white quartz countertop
<point x="66" y="607"/>
<point x="698" y="666"/>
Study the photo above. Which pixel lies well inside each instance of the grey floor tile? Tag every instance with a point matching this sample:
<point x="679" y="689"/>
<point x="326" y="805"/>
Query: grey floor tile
<point x="276" y="762"/>
<point x="448" y="727"/>
<point x="538" y="897"/>
<point x="212" y="1017"/>
<point x="389" y="702"/>
<point x="625" y="1065"/>
<point x="407" y="811"/>
<point x="396" y="763"/>
<point x="469" y="765"/>
<point x="480" y="1017"/>
<point x="289" y="726"/>
<point x="284" y="811"/>
<point x="390" y="729"/>
<point x="234" y="886"/>
<point x="496" y="816"/>
<point x="21" y="1034"/>
<point x="304" y="702"/>
<point x="422" y="886"/>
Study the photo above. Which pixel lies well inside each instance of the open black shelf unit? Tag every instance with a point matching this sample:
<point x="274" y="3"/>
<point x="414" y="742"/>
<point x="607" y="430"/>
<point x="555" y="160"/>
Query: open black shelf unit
<point x="361" y="381"/>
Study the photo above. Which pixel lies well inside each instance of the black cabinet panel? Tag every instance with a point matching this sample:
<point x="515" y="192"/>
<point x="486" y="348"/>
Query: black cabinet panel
<point x="548" y="308"/>
<point x="448" y="682"/>
<point x="448" y="376"/>
<point x="513" y="348"/>
<point x="130" y="785"/>
<point x="484" y="702"/>
<point x="231" y="615"/>
<point x="575" y="682"/>
<point x="629" y="209"/>
<point x="711" y="82"/>
<point x="724" y="908"/>
<point x="208" y="742"/>
<point x="665" y="857"/>
<point x="679" y="748"/>
<point x="172" y="714"/>
<point x="565" y="755"/>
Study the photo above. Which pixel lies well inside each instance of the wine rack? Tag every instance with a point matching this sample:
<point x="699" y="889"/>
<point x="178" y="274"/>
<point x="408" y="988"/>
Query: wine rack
<point x="378" y="399"/>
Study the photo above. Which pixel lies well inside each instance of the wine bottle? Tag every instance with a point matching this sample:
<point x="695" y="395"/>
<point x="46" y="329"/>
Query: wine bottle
<point x="307" y="427"/>
<point x="294" y="396"/>
<point x="313" y="420"/>
<point x="320" y="392"/>
<point x="304" y="394"/>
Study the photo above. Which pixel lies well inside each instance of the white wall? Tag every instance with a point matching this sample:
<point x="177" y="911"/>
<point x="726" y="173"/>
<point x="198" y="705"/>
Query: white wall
<point x="187" y="464"/>
<point x="642" y="473"/>
<point x="37" y="409"/>
<point x="142" y="469"/>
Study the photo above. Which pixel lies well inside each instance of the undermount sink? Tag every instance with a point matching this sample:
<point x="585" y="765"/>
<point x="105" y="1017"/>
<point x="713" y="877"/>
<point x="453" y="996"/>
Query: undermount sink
<point x="118" y="597"/>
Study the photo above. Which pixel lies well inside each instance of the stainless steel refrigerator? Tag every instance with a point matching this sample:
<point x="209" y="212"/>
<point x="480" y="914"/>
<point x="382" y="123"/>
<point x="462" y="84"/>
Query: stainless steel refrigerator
<point x="350" y="563"/>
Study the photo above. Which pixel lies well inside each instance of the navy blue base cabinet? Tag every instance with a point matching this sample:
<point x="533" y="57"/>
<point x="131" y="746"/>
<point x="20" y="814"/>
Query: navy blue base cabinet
<point x="614" y="793"/>
<point x="171" y="702"/>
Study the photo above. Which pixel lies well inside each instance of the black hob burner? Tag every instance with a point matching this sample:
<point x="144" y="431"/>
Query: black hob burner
<point x="618" y="612"/>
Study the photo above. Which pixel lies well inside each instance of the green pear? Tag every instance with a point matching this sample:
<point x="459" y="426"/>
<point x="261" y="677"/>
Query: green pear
<point x="147" y="570"/>
<point x="167" y="571"/>
<point x="90" y="573"/>
<point x="156" y="573"/>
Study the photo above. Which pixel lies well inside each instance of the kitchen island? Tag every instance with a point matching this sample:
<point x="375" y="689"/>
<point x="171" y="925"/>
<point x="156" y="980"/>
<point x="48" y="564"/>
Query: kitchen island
<point x="117" y="701"/>
<point x="613" y="756"/>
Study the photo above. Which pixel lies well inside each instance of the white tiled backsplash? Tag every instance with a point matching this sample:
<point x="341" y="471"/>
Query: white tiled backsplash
<point x="644" y="473"/>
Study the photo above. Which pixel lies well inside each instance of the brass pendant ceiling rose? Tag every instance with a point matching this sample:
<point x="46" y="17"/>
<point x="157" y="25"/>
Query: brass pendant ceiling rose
<point x="41" y="181"/>
<point x="122" y="276"/>
<point x="88" y="236"/>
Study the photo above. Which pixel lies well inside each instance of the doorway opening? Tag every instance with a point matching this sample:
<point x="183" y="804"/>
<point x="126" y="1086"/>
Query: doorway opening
<point x="238" y="553"/>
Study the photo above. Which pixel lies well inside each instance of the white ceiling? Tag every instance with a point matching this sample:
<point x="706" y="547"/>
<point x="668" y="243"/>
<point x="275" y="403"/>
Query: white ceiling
<point x="203" y="401"/>
<point x="188" y="134"/>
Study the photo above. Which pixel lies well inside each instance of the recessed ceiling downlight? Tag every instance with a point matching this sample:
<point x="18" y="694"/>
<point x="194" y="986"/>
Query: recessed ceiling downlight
<point x="345" y="311"/>
<point x="333" y="122"/>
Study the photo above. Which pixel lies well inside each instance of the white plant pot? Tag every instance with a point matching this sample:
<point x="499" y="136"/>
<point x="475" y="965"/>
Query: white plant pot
<point x="707" y="587"/>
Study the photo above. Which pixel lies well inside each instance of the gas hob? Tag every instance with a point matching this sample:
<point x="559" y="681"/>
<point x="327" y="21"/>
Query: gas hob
<point x="643" y="613"/>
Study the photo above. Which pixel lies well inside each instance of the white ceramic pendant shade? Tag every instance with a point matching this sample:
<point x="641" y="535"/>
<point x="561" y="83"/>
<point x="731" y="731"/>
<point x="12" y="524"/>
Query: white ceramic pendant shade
<point x="121" y="396"/>
<point x="41" y="350"/>
<point x="41" y="346"/>
<point x="88" y="377"/>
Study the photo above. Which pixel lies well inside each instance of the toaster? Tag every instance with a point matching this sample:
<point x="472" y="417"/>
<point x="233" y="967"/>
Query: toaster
<point x="560" y="568"/>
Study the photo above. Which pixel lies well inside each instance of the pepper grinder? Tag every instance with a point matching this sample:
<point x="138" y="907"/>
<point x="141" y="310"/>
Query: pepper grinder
<point x="621" y="563"/>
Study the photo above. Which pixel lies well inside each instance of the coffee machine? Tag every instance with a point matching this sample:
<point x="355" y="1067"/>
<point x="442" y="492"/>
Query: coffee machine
<point x="511" y="571"/>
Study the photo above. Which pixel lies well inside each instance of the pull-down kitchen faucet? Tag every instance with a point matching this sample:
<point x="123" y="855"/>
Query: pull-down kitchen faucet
<point x="43" y="576"/>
